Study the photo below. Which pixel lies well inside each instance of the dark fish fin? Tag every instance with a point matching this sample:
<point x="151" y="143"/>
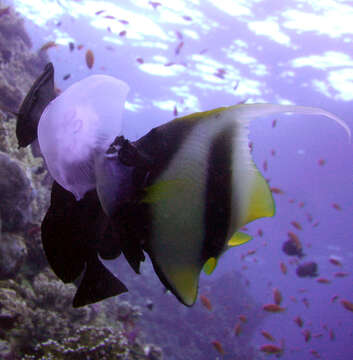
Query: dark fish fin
<point x="60" y="236"/>
<point x="131" y="225"/>
<point x="98" y="283"/>
<point x="38" y="97"/>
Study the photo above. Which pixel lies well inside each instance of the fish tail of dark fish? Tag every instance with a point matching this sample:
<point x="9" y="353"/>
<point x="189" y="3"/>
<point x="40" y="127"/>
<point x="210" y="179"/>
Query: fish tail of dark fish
<point x="97" y="284"/>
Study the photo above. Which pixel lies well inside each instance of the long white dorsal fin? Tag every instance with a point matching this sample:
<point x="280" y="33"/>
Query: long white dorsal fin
<point x="248" y="112"/>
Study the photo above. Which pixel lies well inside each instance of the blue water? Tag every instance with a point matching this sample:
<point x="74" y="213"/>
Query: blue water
<point x="296" y="52"/>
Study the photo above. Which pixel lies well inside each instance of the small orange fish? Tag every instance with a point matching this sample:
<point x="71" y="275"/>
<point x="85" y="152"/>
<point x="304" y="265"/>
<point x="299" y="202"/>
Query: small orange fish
<point x="175" y="111"/>
<point x="251" y="252"/>
<point x="301" y="204"/>
<point x="309" y="217"/>
<point x="220" y="73"/>
<point x="179" y="35"/>
<point x="274" y="123"/>
<point x="276" y="190"/>
<point x="243" y="318"/>
<point x="334" y="298"/>
<point x="331" y="335"/>
<point x="267" y="335"/>
<point x="292" y="201"/>
<point x="315" y="354"/>
<point x="154" y="4"/>
<point x="323" y="281"/>
<point x="318" y="335"/>
<point x="271" y="349"/>
<point x="283" y="267"/>
<point x="48" y="45"/>
<point x="340" y="274"/>
<point x="206" y="302"/>
<point x="80" y="46"/>
<point x="316" y="224"/>
<point x="274" y="308"/>
<point x="122" y="33"/>
<point x="334" y="261"/>
<point x="277" y="296"/>
<point x="296" y="240"/>
<point x="336" y="206"/>
<point x="265" y="165"/>
<point x="299" y="321"/>
<point x="347" y="304"/>
<point x="296" y="225"/>
<point x="218" y="346"/>
<point x="89" y="58"/>
<point x="306" y="302"/>
<point x="307" y="335"/>
<point x="237" y="329"/>
<point x="179" y="47"/>
<point x="321" y="162"/>
<point x="140" y="60"/>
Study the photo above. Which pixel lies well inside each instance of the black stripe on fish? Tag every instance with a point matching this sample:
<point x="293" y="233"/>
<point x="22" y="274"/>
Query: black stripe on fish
<point x="218" y="193"/>
<point x="162" y="143"/>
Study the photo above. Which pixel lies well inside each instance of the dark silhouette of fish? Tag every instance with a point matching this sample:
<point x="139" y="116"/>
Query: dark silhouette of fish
<point x="308" y="269"/>
<point x="38" y="97"/>
<point x="291" y="248"/>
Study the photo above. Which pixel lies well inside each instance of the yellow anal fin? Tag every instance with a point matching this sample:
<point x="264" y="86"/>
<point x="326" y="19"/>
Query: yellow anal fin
<point x="210" y="265"/>
<point x="239" y="238"/>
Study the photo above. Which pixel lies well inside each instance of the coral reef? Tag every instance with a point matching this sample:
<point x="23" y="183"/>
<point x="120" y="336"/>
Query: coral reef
<point x="13" y="253"/>
<point x="18" y="65"/>
<point x="15" y="194"/>
<point x="38" y="322"/>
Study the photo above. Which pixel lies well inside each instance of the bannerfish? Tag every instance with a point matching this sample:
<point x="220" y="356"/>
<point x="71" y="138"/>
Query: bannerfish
<point x="180" y="193"/>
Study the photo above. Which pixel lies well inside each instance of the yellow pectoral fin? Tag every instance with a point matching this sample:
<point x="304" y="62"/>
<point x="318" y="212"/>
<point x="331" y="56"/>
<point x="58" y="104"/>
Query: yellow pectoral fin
<point x="261" y="202"/>
<point x="164" y="189"/>
<point x="237" y="239"/>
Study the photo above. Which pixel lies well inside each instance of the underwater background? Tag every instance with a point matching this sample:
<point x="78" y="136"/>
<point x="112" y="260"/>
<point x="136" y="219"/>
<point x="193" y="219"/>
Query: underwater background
<point x="179" y="57"/>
